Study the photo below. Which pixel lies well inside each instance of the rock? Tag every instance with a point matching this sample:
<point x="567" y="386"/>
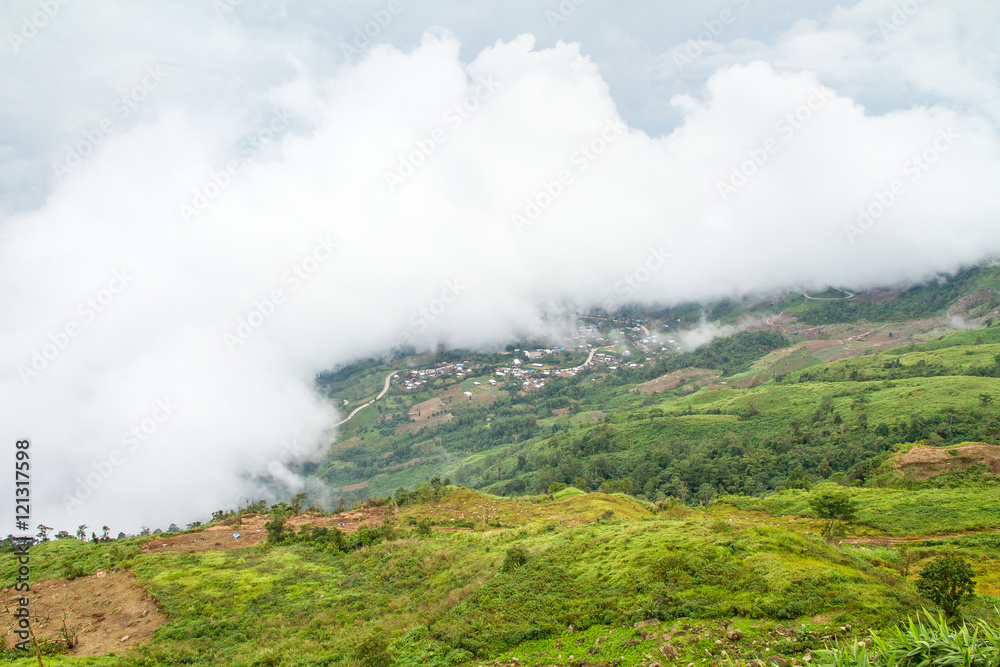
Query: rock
<point x="734" y="634"/>
<point x="668" y="651"/>
<point x="780" y="662"/>
<point x="807" y="657"/>
<point x="644" y="624"/>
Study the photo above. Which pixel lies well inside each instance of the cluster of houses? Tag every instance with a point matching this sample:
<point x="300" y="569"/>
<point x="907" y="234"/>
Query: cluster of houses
<point x="417" y="378"/>
<point x="528" y="367"/>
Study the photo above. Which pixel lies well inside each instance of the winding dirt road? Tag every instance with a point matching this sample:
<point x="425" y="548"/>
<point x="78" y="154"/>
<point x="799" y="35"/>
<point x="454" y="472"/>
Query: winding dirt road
<point x="388" y="379"/>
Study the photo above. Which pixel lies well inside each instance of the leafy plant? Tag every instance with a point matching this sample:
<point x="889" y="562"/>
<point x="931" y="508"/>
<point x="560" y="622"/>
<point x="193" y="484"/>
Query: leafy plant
<point x="516" y="557"/>
<point x="947" y="582"/>
<point x="920" y="643"/>
<point x="835" y="507"/>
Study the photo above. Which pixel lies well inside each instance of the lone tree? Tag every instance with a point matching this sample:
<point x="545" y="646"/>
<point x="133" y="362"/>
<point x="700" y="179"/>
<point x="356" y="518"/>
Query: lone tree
<point x="835" y="507"/>
<point x="947" y="582"/>
<point x="276" y="528"/>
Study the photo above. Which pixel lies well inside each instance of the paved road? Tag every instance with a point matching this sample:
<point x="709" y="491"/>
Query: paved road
<point x="850" y="295"/>
<point x="355" y="411"/>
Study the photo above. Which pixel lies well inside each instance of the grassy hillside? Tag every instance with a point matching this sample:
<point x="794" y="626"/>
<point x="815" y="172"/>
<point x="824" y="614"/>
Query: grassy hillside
<point x="557" y="574"/>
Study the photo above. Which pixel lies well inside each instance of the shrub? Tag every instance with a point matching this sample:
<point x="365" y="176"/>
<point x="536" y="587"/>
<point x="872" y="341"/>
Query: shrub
<point x="516" y="557"/>
<point x="947" y="582"/>
<point x="276" y="527"/>
<point x="373" y="651"/>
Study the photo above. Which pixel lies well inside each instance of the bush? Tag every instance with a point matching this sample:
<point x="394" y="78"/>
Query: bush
<point x="276" y="527"/>
<point x="516" y="557"/>
<point x="373" y="651"/>
<point x="947" y="582"/>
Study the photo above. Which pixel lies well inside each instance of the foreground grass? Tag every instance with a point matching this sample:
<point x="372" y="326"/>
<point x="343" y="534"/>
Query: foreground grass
<point x="597" y="562"/>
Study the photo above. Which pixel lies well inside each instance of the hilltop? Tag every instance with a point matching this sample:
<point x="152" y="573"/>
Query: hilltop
<point x="465" y="578"/>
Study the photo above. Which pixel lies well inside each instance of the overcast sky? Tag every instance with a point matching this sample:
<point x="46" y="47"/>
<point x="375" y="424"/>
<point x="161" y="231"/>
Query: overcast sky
<point x="202" y="205"/>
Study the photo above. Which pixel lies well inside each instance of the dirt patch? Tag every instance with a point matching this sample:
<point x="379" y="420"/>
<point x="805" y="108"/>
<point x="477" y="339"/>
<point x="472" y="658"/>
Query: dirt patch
<point x="970" y="301"/>
<point x="219" y="537"/>
<point x="752" y="381"/>
<point x="560" y="412"/>
<point x="597" y="416"/>
<point x="426" y="413"/>
<point x="106" y="612"/>
<point x="925" y="462"/>
<point x="673" y="380"/>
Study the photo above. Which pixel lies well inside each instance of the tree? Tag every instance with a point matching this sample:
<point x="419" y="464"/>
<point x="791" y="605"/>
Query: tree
<point x="43" y="532"/>
<point x="276" y="527"/>
<point x="81" y="531"/>
<point x="297" y="502"/>
<point x="947" y="582"/>
<point x="835" y="507"/>
<point x="104" y="534"/>
<point x="173" y="528"/>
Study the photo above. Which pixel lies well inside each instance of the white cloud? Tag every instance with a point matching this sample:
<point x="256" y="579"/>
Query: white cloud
<point x="438" y="257"/>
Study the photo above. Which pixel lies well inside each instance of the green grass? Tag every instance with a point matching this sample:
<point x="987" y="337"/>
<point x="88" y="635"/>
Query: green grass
<point x="595" y="561"/>
<point x="901" y="511"/>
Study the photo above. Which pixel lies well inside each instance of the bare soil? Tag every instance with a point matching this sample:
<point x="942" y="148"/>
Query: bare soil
<point x="104" y="612"/>
<point x="426" y="413"/>
<point x="219" y="537"/>
<point x="674" y="380"/>
<point x="925" y="462"/>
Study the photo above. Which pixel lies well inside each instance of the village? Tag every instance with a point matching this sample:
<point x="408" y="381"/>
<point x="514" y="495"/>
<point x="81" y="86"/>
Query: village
<point x="532" y="368"/>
